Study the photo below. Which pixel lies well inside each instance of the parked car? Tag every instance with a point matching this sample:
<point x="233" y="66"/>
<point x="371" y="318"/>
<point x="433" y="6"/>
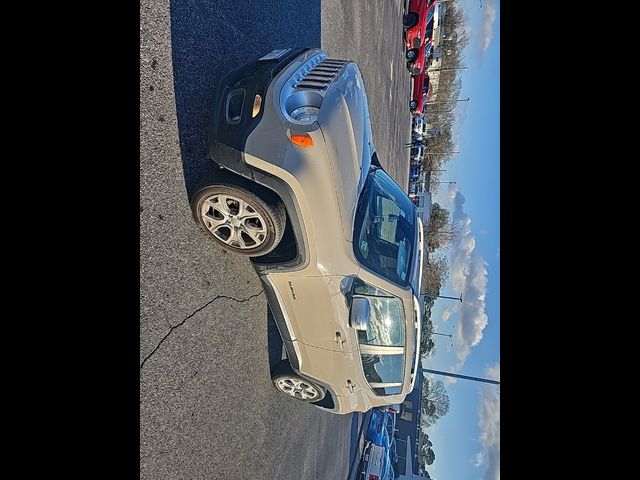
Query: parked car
<point x="419" y="94"/>
<point x="377" y="464"/>
<point x="420" y="63"/>
<point x="416" y="154"/>
<point x="336" y="242"/>
<point x="378" y="458"/>
<point x="418" y="125"/>
<point x="414" y="171"/>
<point x="418" y="23"/>
<point x="379" y="421"/>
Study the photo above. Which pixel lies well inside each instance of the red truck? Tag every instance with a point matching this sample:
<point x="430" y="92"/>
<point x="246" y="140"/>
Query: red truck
<point x="419" y="95"/>
<point x="418" y="23"/>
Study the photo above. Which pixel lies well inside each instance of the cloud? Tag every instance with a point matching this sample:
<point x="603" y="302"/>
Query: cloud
<point x="477" y="460"/>
<point x="489" y="17"/>
<point x="489" y="423"/>
<point x="468" y="275"/>
<point x="446" y="313"/>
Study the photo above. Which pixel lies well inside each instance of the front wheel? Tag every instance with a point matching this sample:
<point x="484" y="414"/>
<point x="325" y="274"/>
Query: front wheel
<point x="293" y="385"/>
<point x="238" y="220"/>
<point x="413" y="104"/>
<point x="412" y="54"/>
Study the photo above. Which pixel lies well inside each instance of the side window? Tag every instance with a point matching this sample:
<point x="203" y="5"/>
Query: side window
<point x="383" y="368"/>
<point x="382" y="344"/>
<point x="386" y="322"/>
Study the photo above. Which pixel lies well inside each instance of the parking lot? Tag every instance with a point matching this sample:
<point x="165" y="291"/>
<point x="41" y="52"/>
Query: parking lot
<point x="207" y="405"/>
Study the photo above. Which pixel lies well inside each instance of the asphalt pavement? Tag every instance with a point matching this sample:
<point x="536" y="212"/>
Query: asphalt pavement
<point x="207" y="406"/>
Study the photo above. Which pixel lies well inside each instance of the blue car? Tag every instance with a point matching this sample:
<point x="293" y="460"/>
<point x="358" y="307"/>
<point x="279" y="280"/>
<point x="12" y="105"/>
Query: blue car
<point x="375" y="431"/>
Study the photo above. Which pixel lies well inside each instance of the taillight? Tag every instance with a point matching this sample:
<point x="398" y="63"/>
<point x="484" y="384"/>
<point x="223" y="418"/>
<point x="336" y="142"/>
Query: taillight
<point x="373" y="477"/>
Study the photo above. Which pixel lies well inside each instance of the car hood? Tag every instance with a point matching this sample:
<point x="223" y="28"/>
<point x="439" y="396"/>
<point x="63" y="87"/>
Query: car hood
<point x="346" y="128"/>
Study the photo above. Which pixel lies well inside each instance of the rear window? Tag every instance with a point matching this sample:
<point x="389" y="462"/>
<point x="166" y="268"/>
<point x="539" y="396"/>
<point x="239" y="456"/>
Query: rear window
<point x="385" y="228"/>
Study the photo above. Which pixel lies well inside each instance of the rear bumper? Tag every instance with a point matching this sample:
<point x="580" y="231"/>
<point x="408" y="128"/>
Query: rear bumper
<point x="232" y="122"/>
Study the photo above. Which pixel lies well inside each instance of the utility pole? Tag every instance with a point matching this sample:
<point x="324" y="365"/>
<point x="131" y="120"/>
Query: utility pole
<point x="447" y="69"/>
<point x="449" y="101"/>
<point x="465" y="377"/>
<point x="445" y="335"/>
<point x="450" y="183"/>
<point x="443" y="296"/>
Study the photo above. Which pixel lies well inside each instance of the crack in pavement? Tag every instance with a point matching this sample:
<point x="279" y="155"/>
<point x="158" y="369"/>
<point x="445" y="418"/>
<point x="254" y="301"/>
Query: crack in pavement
<point x="191" y="315"/>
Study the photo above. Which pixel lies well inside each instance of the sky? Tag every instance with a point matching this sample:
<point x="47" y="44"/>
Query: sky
<point x="466" y="441"/>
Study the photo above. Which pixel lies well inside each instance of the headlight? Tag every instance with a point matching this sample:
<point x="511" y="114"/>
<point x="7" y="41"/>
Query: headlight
<point x="307" y="114"/>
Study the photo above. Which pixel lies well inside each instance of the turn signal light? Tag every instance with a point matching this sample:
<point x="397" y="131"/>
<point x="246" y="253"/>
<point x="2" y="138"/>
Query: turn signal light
<point x="302" y="140"/>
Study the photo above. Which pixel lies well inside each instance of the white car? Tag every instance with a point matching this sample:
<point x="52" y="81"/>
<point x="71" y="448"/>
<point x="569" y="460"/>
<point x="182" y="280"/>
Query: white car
<point x="377" y="465"/>
<point x="377" y="458"/>
<point x="418" y="126"/>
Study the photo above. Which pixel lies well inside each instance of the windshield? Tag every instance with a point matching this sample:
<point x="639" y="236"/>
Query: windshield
<point x="429" y="29"/>
<point x="385" y="228"/>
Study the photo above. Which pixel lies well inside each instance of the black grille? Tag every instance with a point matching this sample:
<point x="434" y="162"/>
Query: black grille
<point x="321" y="76"/>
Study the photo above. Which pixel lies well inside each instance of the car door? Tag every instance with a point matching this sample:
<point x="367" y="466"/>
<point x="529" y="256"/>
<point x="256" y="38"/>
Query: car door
<point x="322" y="313"/>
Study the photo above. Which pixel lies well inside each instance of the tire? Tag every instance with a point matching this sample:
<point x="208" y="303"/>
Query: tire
<point x="289" y="383"/>
<point x="253" y="234"/>
<point x="410" y="20"/>
<point x="413" y="104"/>
<point x="412" y="54"/>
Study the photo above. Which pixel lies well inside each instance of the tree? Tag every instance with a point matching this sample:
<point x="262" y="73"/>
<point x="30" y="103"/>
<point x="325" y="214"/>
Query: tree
<point x="438" y="220"/>
<point x="440" y="232"/>
<point x="427" y="346"/>
<point x="429" y="456"/>
<point x="434" y="275"/>
<point x="435" y="403"/>
<point x="446" y="86"/>
<point x="430" y="409"/>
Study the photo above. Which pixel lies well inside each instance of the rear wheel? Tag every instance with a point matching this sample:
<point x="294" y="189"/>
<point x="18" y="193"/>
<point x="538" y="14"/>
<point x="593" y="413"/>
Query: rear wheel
<point x="412" y="54"/>
<point x="238" y="220"/>
<point x="293" y="385"/>
<point x="413" y="104"/>
<point x="410" y="20"/>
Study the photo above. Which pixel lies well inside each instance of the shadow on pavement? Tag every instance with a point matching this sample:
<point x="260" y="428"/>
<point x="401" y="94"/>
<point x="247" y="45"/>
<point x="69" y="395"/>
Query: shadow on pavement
<point x="211" y="38"/>
<point x="274" y="341"/>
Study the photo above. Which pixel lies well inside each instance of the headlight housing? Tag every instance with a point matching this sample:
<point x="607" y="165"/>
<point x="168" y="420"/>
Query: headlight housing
<point x="306" y="114"/>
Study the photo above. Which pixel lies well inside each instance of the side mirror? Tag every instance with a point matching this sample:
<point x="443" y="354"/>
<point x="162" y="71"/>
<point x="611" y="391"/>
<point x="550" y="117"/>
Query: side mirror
<point x="360" y="311"/>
